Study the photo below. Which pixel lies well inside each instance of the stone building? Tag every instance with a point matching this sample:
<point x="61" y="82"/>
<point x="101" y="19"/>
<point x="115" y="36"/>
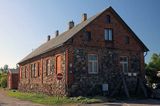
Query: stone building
<point x="99" y="54"/>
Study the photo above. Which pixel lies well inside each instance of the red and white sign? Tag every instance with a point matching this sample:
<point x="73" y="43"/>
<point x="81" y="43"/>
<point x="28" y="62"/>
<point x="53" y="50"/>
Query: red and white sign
<point x="59" y="76"/>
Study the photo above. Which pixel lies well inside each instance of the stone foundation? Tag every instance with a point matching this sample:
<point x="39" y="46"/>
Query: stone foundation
<point x="49" y="89"/>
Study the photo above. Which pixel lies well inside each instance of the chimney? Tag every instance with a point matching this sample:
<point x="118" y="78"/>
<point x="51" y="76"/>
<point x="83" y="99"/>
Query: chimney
<point x="48" y="38"/>
<point x="57" y="33"/>
<point x="84" y="17"/>
<point x="71" y="24"/>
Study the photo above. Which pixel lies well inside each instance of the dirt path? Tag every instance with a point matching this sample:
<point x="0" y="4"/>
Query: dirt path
<point x="9" y="101"/>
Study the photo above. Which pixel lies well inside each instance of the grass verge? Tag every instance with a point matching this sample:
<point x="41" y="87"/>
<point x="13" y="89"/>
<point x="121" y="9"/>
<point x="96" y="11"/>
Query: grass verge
<point x="51" y="100"/>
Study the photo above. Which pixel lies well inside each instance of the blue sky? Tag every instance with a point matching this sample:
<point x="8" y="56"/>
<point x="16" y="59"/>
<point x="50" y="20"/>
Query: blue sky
<point x="25" y="24"/>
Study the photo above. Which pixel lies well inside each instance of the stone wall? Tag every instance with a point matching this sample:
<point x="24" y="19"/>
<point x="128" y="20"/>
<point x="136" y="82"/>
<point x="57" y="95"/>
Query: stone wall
<point x="109" y="71"/>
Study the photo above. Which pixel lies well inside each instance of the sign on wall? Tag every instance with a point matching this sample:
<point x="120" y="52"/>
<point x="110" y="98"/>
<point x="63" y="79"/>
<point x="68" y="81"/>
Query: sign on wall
<point x="104" y="87"/>
<point x="59" y="76"/>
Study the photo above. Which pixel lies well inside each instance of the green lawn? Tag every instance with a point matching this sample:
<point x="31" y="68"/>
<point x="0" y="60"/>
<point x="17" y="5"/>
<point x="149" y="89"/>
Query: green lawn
<point x="51" y="100"/>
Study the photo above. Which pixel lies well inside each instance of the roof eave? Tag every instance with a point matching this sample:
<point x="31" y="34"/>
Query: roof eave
<point x="22" y="61"/>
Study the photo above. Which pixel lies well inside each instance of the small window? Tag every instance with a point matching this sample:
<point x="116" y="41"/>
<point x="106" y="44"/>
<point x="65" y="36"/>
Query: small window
<point x="108" y="34"/>
<point x="22" y="72"/>
<point x="108" y="19"/>
<point x="38" y="69"/>
<point x="25" y="72"/>
<point x="52" y="65"/>
<point x="33" y="70"/>
<point x="92" y="64"/>
<point x="126" y="40"/>
<point x="87" y="36"/>
<point x="124" y="63"/>
<point x="47" y="67"/>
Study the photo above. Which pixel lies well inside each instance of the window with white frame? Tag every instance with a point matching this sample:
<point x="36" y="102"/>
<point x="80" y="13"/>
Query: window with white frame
<point x="108" y="35"/>
<point x="25" y="75"/>
<point x="47" y="67"/>
<point x="124" y="63"/>
<point x="92" y="64"/>
<point x="33" y="70"/>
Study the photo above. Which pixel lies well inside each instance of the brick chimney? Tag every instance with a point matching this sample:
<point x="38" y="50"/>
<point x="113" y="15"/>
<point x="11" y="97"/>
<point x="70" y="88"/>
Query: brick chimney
<point x="56" y="33"/>
<point x="71" y="24"/>
<point x="84" y="17"/>
<point x="48" y="38"/>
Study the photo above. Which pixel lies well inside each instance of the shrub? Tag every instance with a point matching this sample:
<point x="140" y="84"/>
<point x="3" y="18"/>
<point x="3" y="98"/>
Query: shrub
<point x="3" y="80"/>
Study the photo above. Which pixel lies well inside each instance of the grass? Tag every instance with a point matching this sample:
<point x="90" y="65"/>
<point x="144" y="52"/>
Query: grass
<point x="52" y="100"/>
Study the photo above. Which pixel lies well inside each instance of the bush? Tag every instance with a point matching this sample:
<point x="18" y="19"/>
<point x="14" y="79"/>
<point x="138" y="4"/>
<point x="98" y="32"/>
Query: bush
<point x="3" y="80"/>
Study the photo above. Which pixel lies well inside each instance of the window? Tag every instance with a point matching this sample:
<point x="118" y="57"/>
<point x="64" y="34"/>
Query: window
<point x="33" y="70"/>
<point x="22" y="72"/>
<point x="25" y="75"/>
<point x="108" y="19"/>
<point x="38" y="69"/>
<point x="87" y="36"/>
<point x="124" y="63"/>
<point x="108" y="34"/>
<point x="47" y="67"/>
<point x="92" y="64"/>
<point x="58" y="64"/>
<point x="52" y="65"/>
<point x="126" y="40"/>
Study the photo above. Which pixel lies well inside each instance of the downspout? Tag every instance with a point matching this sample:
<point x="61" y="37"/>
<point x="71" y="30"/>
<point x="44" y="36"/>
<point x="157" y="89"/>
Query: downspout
<point x="144" y="63"/>
<point x="66" y="72"/>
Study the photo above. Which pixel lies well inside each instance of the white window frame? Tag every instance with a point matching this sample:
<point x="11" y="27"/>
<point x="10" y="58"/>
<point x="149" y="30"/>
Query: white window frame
<point x="123" y="63"/>
<point x="48" y="68"/>
<point x="33" y="70"/>
<point x="93" y="62"/>
<point x="108" y="34"/>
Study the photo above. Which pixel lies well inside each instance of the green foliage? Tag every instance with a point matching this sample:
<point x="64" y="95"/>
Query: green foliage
<point x="5" y="68"/>
<point x="3" y="80"/>
<point x="152" y="68"/>
<point x="51" y="100"/>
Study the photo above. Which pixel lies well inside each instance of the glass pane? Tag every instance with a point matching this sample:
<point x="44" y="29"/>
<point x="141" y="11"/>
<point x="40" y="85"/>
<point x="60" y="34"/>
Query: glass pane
<point x="106" y="34"/>
<point x="92" y="57"/>
<point x="125" y="67"/>
<point x="95" y="67"/>
<point x="110" y="34"/>
<point x="89" y="66"/>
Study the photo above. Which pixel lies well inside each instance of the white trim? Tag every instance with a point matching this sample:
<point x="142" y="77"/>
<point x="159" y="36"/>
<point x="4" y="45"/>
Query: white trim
<point x="123" y="63"/>
<point x="93" y="62"/>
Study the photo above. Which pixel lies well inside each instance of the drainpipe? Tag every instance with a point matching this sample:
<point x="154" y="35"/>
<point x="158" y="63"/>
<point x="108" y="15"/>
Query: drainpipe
<point x="144" y="63"/>
<point x="66" y="71"/>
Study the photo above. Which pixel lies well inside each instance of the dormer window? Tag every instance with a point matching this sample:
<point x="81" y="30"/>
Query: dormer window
<point x="108" y="19"/>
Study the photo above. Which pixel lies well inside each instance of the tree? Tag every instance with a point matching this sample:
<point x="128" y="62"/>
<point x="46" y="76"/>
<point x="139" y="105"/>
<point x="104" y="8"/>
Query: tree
<point x="3" y="80"/>
<point x="1" y="70"/>
<point x="152" y="69"/>
<point x="5" y="68"/>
